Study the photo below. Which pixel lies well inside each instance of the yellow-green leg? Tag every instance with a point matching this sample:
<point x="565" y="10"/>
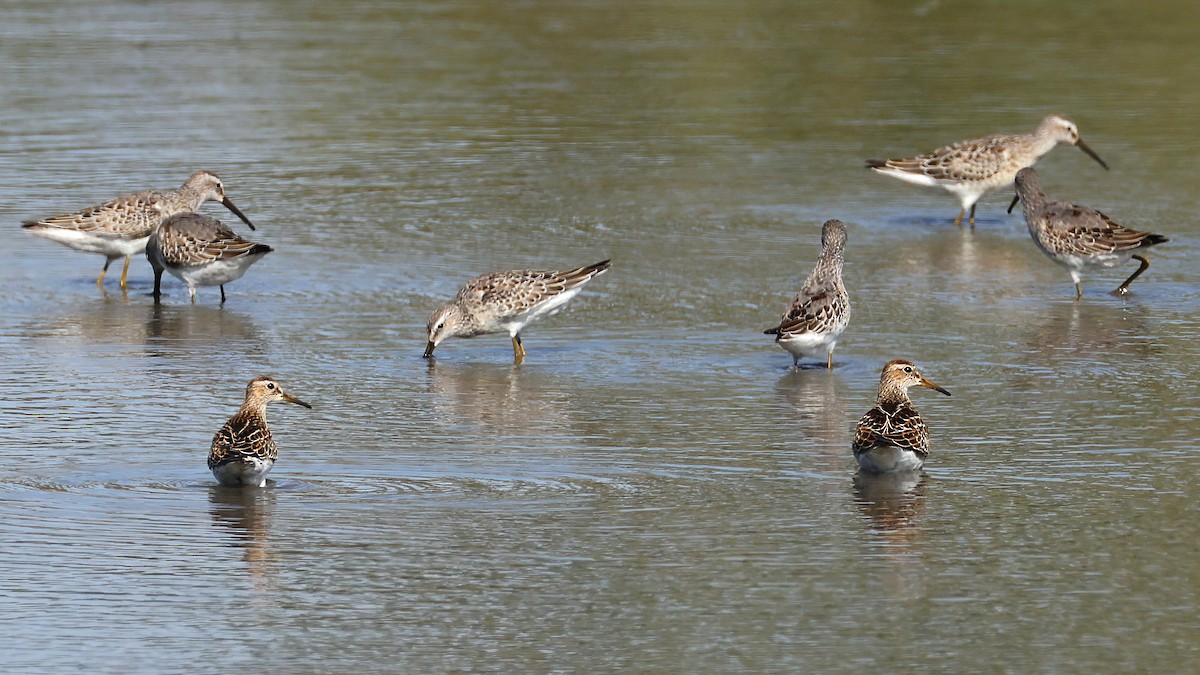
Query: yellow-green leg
<point x="125" y="272"/>
<point x="103" y="272"/>
<point x="518" y="349"/>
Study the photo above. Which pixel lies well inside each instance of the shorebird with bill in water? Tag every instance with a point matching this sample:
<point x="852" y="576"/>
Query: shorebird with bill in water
<point x="507" y="302"/>
<point x="121" y="227"/>
<point x="972" y="168"/>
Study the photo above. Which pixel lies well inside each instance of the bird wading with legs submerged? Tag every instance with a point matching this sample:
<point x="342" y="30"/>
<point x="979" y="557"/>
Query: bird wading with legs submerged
<point x="243" y="451"/>
<point x="122" y="226"/>
<point x="972" y="168"/>
<point x="820" y="312"/>
<point x="892" y="437"/>
<point x="1079" y="237"/>
<point x="507" y="302"/>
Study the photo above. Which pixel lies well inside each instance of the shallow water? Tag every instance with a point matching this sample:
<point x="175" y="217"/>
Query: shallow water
<point x="653" y="489"/>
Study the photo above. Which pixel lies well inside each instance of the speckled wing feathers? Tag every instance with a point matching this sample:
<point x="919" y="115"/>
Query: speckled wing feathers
<point x="131" y="216"/>
<point x="814" y="311"/>
<point x="243" y="436"/>
<point x="1090" y="232"/>
<point x="520" y="290"/>
<point x="192" y="239"/>
<point x="977" y="159"/>
<point x="898" y="424"/>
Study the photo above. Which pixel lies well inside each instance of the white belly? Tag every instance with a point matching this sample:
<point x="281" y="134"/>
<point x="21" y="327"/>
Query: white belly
<point x="244" y="472"/>
<point x="547" y="308"/>
<point x="968" y="192"/>
<point x="813" y="345"/>
<point x="216" y="273"/>
<point x="889" y="459"/>
<point x="108" y="246"/>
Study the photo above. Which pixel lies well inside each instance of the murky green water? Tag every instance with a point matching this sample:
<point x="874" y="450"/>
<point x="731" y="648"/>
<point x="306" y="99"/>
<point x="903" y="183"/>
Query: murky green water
<point x="653" y="490"/>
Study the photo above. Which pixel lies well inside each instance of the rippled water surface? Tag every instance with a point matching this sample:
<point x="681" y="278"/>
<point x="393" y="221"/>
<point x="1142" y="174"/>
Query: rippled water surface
<point x="653" y="490"/>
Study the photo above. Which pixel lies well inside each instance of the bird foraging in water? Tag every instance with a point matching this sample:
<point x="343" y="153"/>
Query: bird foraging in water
<point x="820" y="312"/>
<point x="892" y="436"/>
<point x="972" y="168"/>
<point x="1079" y="237"/>
<point x="200" y="251"/>
<point x="506" y="302"/>
<point x="120" y="227"/>
<point x="243" y="451"/>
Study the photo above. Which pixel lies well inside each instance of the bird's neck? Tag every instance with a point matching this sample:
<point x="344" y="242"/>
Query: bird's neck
<point x="1044" y="143"/>
<point x="892" y="396"/>
<point x="1032" y="202"/>
<point x="829" y="266"/>
<point x="253" y="408"/>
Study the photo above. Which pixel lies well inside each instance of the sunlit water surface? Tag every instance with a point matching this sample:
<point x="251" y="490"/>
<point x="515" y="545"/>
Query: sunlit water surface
<point x="654" y="489"/>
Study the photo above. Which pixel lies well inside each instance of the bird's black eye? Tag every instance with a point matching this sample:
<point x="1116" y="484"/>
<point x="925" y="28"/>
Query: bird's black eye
<point x="907" y="369"/>
<point x="270" y="385"/>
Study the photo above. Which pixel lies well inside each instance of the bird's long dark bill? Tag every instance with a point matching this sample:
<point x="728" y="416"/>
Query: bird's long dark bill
<point x="237" y="212"/>
<point x="293" y="399"/>
<point x="1016" y="198"/>
<point x="429" y="349"/>
<point x="1090" y="153"/>
<point x="927" y="383"/>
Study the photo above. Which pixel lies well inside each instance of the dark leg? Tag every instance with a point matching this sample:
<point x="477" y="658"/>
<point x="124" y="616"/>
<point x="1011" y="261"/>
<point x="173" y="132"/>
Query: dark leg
<point x="222" y="294"/>
<point x="1124" y="288"/>
<point x="157" y="283"/>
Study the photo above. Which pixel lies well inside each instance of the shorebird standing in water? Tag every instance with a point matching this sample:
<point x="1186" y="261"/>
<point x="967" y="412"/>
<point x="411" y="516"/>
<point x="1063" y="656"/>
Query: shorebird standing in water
<point x="243" y="451"/>
<point x="200" y="251"/>
<point x="892" y="436"/>
<point x="820" y="312"/>
<point x="506" y="302"/>
<point x="972" y="168"/>
<point x="1079" y="237"/>
<point x="120" y="227"/>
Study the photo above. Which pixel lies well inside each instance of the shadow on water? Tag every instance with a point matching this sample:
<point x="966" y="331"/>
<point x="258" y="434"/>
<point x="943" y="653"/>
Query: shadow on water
<point x="931" y="221"/>
<point x="891" y="501"/>
<point x="893" y="504"/>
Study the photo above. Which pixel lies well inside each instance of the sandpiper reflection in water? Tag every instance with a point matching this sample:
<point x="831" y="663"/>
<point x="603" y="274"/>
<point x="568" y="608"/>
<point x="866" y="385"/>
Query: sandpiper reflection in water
<point x="246" y="515"/>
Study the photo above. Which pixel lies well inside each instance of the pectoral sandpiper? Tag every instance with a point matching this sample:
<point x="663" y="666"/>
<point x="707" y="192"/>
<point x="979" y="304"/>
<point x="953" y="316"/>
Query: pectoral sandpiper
<point x="243" y="451"/>
<point x="892" y="436"/>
